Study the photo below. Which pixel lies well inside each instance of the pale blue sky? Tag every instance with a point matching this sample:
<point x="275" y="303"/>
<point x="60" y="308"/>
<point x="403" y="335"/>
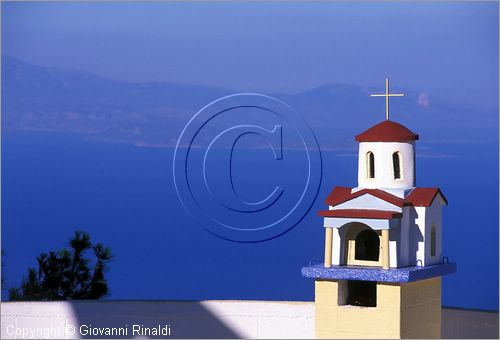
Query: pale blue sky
<point x="447" y="49"/>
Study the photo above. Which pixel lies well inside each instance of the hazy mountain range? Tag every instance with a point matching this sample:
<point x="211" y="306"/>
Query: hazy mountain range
<point x="60" y="100"/>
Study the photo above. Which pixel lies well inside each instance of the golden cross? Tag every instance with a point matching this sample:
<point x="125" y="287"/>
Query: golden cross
<point x="387" y="95"/>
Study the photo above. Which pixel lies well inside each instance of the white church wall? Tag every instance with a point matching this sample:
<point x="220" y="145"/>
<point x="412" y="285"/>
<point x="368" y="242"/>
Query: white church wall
<point x="434" y="218"/>
<point x="404" y="252"/>
<point x="394" y="251"/>
<point x="384" y="176"/>
<point x="417" y="236"/>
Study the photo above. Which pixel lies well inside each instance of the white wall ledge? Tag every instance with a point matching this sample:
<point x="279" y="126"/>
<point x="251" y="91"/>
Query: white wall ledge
<point x="196" y="319"/>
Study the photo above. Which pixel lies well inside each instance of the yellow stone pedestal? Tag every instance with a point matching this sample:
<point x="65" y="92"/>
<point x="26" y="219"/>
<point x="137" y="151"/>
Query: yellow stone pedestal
<point x="403" y="310"/>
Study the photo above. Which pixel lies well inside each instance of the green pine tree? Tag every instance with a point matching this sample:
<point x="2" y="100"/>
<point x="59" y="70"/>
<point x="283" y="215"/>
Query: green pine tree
<point x="67" y="274"/>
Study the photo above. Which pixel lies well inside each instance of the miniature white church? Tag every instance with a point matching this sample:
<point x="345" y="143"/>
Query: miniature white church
<point x="383" y="254"/>
<point x="385" y="199"/>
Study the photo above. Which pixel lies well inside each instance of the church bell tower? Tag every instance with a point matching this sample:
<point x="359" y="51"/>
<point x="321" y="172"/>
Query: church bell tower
<point x="381" y="276"/>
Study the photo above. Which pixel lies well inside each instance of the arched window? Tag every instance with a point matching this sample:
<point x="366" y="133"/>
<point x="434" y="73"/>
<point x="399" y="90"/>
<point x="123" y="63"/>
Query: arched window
<point x="396" y="165"/>
<point x="370" y="164"/>
<point x="433" y="241"/>
<point x="367" y="246"/>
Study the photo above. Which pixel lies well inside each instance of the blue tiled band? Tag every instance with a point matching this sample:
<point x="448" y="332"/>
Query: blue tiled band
<point x="407" y="274"/>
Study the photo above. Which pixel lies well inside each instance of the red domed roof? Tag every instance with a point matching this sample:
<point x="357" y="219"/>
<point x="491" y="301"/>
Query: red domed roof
<point x="387" y="131"/>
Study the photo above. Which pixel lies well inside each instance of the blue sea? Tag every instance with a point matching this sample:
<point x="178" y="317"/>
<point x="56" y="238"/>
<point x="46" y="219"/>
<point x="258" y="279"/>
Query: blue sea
<point x="124" y="196"/>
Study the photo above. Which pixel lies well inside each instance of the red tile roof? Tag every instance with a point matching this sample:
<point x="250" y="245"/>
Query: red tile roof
<point x="339" y="195"/>
<point x="423" y="197"/>
<point x="360" y="213"/>
<point x="387" y="131"/>
<point x="419" y="197"/>
<point x="343" y="194"/>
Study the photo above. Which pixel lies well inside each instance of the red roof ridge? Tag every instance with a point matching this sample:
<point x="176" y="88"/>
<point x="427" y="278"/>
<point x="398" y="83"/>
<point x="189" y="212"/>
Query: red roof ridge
<point x="387" y="131"/>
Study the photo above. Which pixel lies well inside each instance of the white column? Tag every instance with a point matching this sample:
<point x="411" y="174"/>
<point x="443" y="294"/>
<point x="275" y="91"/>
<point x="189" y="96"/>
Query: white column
<point x="385" y="248"/>
<point x="328" y="247"/>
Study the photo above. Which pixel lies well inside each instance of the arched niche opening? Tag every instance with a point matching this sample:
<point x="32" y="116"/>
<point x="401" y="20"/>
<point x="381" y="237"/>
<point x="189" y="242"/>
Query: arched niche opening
<point x="362" y="245"/>
<point x="396" y="165"/>
<point x="367" y="246"/>
<point x="370" y="164"/>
